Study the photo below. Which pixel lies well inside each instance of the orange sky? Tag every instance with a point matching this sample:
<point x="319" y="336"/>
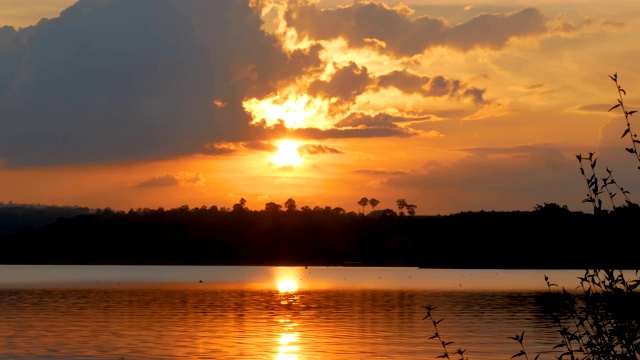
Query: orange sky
<point x="453" y="106"/>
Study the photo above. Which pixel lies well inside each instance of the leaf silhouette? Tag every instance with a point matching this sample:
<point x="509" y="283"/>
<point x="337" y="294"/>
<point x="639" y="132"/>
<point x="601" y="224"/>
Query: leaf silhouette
<point x="613" y="107"/>
<point x="625" y="133"/>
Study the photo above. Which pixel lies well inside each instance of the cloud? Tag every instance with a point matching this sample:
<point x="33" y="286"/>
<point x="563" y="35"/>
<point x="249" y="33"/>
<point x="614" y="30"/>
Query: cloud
<point x="179" y="179"/>
<point x="380" y="120"/>
<point x="107" y="83"/>
<point x="260" y="145"/>
<point x="161" y="181"/>
<point x="130" y="80"/>
<point x="614" y="24"/>
<point x="528" y="87"/>
<point x="363" y="22"/>
<point x="436" y="86"/>
<point x="311" y="149"/>
<point x="261" y="130"/>
<point x="191" y="179"/>
<point x="345" y="85"/>
<point x="476" y="95"/>
<point x="493" y="31"/>
<point x="404" y="81"/>
<point x="344" y="133"/>
<point x="592" y="107"/>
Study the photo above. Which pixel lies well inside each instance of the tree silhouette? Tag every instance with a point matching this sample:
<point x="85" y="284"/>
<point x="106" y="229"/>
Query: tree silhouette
<point x="272" y="207"/>
<point x="411" y="209"/>
<point x="290" y="205"/>
<point x="388" y="212"/>
<point x="363" y="202"/>
<point x="373" y="202"/>
<point x="241" y="205"/>
<point x="402" y="204"/>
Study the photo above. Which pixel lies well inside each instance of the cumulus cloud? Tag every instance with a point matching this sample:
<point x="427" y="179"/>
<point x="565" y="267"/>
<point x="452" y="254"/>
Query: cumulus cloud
<point x="363" y="22"/>
<point x="133" y="80"/>
<point x="107" y="83"/>
<point x="121" y="80"/>
<point x="436" y="86"/>
<point x="345" y="85"/>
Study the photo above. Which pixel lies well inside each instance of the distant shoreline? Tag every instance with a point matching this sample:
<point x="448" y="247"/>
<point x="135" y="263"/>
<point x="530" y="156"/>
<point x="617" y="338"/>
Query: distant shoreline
<point x="474" y="240"/>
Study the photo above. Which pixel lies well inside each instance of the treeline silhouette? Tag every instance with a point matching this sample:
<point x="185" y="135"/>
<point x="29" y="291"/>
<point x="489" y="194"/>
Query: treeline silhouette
<point x="548" y="237"/>
<point x="17" y="217"/>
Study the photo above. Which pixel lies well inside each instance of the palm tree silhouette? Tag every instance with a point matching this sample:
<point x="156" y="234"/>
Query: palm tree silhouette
<point x="363" y="202"/>
<point x="373" y="202"/>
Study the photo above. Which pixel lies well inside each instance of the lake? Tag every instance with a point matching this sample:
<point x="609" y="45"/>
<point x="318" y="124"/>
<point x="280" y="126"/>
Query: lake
<point x="277" y="313"/>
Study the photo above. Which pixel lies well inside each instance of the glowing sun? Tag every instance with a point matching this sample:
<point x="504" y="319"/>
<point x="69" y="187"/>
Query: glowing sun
<point x="287" y="285"/>
<point x="287" y="154"/>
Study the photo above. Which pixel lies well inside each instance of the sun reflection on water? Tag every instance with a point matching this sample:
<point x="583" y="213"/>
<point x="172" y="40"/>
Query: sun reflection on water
<point x="289" y="337"/>
<point x="287" y="350"/>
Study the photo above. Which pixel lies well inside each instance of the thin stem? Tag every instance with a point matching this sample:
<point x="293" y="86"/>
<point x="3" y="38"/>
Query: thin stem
<point x="633" y="149"/>
<point x="437" y="336"/>
<point x="609" y="180"/>
<point x="592" y="183"/>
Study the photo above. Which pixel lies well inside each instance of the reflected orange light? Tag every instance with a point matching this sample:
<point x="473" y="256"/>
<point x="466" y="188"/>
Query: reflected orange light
<point x="287" y="356"/>
<point x="287" y="351"/>
<point x="286" y="339"/>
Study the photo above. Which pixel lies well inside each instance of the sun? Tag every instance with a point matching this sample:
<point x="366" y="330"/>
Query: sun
<point x="287" y="286"/>
<point x="287" y="154"/>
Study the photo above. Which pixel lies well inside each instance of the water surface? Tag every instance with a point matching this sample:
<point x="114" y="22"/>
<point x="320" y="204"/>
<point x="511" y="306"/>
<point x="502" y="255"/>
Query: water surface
<point x="103" y="312"/>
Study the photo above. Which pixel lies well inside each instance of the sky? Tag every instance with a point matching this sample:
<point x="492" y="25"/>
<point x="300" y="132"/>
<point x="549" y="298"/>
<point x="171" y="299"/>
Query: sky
<point x="451" y="105"/>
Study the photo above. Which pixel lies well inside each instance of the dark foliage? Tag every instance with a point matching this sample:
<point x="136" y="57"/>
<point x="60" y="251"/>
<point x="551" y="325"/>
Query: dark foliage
<point x="14" y="218"/>
<point x="548" y="238"/>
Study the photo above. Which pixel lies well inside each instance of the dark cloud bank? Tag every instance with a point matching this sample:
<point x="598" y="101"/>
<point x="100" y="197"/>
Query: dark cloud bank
<point x="131" y="80"/>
